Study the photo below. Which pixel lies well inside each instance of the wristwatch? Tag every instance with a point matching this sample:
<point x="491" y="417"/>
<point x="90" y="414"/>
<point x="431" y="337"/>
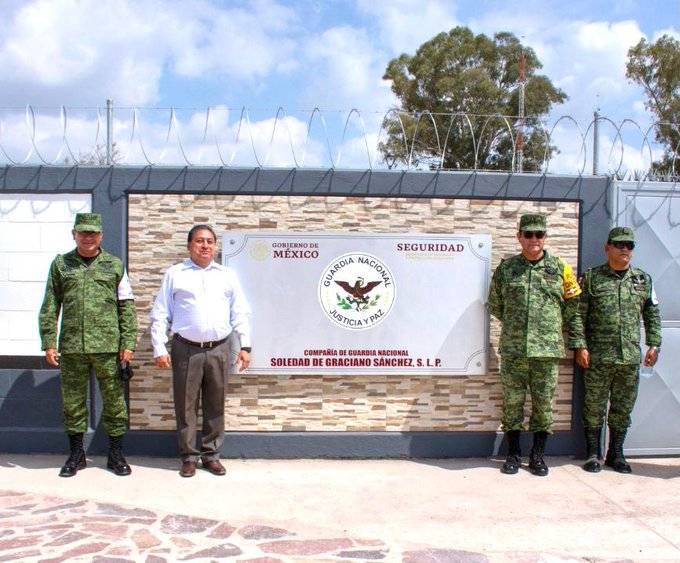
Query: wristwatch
<point x="246" y="349"/>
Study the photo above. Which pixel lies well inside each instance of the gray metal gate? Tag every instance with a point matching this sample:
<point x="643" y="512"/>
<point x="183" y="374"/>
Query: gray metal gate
<point x="653" y="210"/>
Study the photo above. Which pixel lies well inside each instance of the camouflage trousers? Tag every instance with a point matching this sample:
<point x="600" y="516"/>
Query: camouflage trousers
<point x="615" y="383"/>
<point x="75" y="375"/>
<point x="539" y="375"/>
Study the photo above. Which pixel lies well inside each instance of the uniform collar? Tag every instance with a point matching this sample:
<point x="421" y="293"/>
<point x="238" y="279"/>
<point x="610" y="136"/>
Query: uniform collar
<point x="612" y="272"/>
<point x="82" y="260"/>
<point x="540" y="261"/>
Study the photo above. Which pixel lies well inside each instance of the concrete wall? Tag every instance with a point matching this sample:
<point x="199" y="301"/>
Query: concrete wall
<point x="265" y="417"/>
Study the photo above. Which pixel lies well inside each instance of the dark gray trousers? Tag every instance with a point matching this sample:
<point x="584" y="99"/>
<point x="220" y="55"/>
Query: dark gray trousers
<point x="199" y="373"/>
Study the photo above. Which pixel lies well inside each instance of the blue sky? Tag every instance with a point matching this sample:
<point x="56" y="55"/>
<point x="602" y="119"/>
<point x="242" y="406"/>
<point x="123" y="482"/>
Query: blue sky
<point x="297" y="54"/>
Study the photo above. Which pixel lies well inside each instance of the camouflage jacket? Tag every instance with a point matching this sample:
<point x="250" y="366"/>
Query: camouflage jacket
<point x="532" y="301"/>
<point x="611" y="307"/>
<point x="93" y="317"/>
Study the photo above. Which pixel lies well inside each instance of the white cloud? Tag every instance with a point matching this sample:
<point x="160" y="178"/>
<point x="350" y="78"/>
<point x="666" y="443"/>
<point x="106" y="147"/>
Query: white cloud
<point x="360" y="152"/>
<point x="238" y="42"/>
<point x="63" y="51"/>
<point x="345" y="70"/>
<point x="670" y="31"/>
<point x="346" y="63"/>
<point x="404" y="25"/>
<point x="78" y="52"/>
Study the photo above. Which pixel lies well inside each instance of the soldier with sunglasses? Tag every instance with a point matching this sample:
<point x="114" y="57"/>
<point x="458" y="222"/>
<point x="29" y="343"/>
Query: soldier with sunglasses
<point x="615" y="296"/>
<point x="533" y="294"/>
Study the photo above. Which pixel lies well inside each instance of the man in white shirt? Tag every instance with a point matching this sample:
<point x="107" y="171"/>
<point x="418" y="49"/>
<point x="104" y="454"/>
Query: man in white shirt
<point x="202" y="304"/>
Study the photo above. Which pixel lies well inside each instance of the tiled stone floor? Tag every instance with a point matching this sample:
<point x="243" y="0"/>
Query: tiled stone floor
<point x="301" y="511"/>
<point x="49" y="529"/>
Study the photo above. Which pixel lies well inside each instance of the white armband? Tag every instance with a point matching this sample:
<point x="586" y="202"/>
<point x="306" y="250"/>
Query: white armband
<point x="124" y="288"/>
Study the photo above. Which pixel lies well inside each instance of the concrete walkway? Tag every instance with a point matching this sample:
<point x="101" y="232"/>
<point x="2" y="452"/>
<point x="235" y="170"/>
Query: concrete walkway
<point x="266" y="511"/>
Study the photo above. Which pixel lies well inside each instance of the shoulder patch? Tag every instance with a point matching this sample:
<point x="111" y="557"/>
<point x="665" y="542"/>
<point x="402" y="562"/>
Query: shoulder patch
<point x="570" y="285"/>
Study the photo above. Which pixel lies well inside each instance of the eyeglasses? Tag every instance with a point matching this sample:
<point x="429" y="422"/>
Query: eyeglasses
<point x="630" y="245"/>
<point x="531" y="234"/>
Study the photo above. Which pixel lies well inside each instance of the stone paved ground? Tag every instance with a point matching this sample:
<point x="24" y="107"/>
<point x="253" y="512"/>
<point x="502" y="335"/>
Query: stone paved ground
<point x="50" y="529"/>
<point x="301" y="511"/>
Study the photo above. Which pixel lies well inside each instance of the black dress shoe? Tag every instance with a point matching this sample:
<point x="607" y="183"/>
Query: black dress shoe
<point x="214" y="466"/>
<point x="188" y="468"/>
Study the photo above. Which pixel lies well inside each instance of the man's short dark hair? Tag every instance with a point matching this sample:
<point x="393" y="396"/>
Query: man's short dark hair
<point x="195" y="228"/>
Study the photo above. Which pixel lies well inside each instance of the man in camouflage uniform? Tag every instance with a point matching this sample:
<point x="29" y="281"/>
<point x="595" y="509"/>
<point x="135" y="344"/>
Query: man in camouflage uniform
<point x="90" y="288"/>
<point x="532" y="294"/>
<point x="615" y="296"/>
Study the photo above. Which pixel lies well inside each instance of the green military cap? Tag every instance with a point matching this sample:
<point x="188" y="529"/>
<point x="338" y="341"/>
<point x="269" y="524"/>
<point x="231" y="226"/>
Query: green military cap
<point x="89" y="222"/>
<point x="621" y="234"/>
<point x="532" y="222"/>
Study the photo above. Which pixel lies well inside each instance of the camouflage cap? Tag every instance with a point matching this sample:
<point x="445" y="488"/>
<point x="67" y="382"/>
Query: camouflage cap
<point x="88" y="222"/>
<point x="621" y="234"/>
<point x="532" y="222"/>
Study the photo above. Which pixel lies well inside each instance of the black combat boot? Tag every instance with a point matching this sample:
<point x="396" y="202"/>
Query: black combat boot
<point x="514" y="459"/>
<point x="615" y="458"/>
<point x="116" y="461"/>
<point x="76" y="460"/>
<point x="592" y="464"/>
<point x="536" y="464"/>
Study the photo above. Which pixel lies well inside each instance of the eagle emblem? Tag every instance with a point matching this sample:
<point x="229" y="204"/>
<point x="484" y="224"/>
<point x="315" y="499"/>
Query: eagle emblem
<point x="358" y="294"/>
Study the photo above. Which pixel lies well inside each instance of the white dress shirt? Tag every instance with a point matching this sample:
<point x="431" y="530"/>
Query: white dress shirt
<point x="199" y="304"/>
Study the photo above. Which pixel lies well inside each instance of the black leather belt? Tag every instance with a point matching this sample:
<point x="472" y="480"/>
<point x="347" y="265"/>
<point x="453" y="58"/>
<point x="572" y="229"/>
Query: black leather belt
<point x="210" y="344"/>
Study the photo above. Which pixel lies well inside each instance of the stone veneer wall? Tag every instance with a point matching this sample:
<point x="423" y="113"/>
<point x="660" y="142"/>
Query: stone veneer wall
<point x="158" y="225"/>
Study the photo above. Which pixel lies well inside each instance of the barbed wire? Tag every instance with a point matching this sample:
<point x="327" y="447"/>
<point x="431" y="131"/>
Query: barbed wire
<point x="321" y="138"/>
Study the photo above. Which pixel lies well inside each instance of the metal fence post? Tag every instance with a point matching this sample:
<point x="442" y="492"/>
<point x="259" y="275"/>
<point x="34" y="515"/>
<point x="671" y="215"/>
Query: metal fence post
<point x="109" y="131"/>
<point x="596" y="140"/>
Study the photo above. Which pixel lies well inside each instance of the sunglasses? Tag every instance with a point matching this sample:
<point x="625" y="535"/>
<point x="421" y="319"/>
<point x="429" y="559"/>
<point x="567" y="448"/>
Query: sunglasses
<point x="630" y="245"/>
<point x="531" y="234"/>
